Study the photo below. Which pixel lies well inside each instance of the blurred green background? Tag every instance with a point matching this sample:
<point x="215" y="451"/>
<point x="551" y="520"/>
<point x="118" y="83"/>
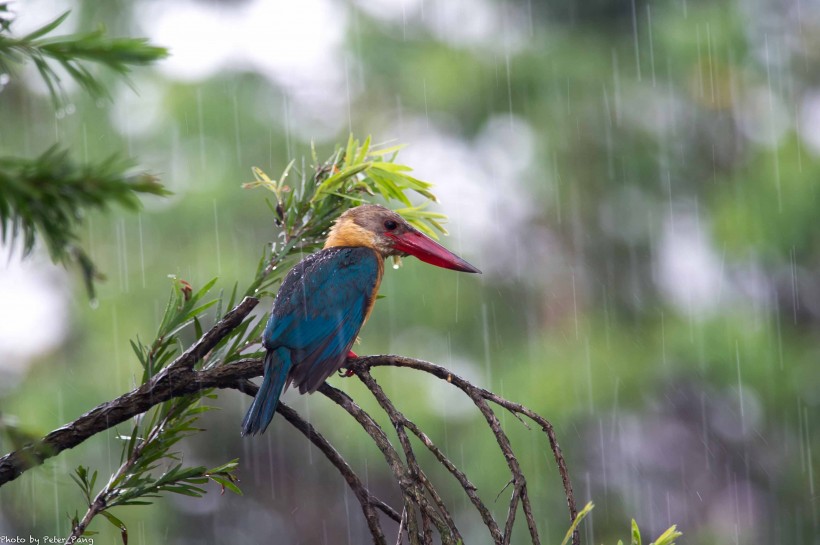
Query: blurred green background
<point x="638" y="180"/>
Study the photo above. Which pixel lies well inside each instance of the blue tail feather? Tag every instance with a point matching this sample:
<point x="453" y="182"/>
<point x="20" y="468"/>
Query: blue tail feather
<point x="261" y="411"/>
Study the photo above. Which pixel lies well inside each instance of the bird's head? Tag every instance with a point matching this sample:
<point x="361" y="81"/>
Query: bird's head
<point x="385" y="231"/>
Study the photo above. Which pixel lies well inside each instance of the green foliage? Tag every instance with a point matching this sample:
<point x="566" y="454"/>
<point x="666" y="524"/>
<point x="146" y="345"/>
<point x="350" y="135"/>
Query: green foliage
<point x="49" y="196"/>
<point x="183" y="309"/>
<point x="150" y="465"/>
<point x="666" y="538"/>
<point x="135" y="483"/>
<point x="351" y="176"/>
<point x="769" y="206"/>
<point x="85" y="482"/>
<point x="6" y="15"/>
<point x="72" y="53"/>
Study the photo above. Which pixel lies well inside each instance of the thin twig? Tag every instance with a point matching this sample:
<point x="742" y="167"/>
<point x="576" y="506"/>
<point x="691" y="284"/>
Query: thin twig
<point x="480" y="393"/>
<point x="469" y="488"/>
<point x="512" y="462"/>
<point x="546" y="427"/>
<point x="391" y="456"/>
<point x="399" y="422"/>
<point x="211" y="338"/>
<point x="401" y="525"/>
<point x="366" y="499"/>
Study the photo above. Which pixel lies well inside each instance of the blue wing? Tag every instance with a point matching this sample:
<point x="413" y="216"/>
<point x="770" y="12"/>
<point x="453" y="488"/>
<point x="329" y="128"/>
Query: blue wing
<point x="319" y="310"/>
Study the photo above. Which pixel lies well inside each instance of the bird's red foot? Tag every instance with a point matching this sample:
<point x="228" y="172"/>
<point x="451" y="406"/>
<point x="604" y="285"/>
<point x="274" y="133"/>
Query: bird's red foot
<point x="349" y="371"/>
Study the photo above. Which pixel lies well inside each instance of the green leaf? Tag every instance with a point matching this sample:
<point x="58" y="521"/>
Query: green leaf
<point x="636" y="533"/>
<point x="350" y="151"/>
<point x="118" y="524"/>
<point x="387" y="185"/>
<point x="363" y="150"/>
<point x="202" y="291"/>
<point x="168" y="314"/>
<point x="349" y="197"/>
<point x="201" y="409"/>
<point x="227" y="484"/>
<point x="332" y="183"/>
<point x="138" y="351"/>
<point x="395" y="167"/>
<point x="387" y="151"/>
<point x="45" y="29"/>
<point x="584" y="512"/>
<point x="226" y="467"/>
<point x="191" y="491"/>
<point x="668" y="537"/>
<point x="132" y="439"/>
<point x="80" y="476"/>
<point x="197" y="328"/>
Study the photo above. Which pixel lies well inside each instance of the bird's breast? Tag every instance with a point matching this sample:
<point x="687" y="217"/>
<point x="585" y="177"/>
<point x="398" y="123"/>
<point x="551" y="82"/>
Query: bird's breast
<point x="375" y="292"/>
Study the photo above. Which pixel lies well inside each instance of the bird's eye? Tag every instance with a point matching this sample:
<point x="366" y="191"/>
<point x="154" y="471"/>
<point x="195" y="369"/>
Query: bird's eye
<point x="390" y="225"/>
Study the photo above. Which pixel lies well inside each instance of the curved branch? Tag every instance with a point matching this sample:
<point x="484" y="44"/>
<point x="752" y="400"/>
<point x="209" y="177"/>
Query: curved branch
<point x="180" y="378"/>
<point x="400" y="422"/>
<point x="367" y="501"/>
<point x="175" y="380"/>
<point x="469" y="488"/>
<point x="479" y="395"/>
<point x="403" y="477"/>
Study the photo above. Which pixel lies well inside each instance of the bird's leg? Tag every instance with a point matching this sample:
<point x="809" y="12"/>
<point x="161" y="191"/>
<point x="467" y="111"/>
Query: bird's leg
<point x="348" y="370"/>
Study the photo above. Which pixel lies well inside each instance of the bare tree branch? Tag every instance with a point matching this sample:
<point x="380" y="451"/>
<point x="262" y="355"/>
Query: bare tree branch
<point x="413" y="496"/>
<point x="367" y="501"/>
<point x="423" y="505"/>
<point x="479" y="395"/>
<point x="399" y="423"/>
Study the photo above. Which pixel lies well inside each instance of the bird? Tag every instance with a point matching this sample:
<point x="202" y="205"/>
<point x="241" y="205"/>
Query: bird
<point x="325" y="299"/>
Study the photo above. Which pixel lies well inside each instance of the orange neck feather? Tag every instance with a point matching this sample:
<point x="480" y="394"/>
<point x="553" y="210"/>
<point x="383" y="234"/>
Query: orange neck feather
<point x="347" y="233"/>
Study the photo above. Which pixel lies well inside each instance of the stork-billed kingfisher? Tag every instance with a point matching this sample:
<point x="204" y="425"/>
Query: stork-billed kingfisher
<point x="326" y="298"/>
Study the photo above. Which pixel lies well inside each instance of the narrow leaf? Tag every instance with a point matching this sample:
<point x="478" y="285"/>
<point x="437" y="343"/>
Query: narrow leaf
<point x="584" y="512"/>
<point x="636" y="533"/>
<point x="118" y="524"/>
<point x="45" y="29"/>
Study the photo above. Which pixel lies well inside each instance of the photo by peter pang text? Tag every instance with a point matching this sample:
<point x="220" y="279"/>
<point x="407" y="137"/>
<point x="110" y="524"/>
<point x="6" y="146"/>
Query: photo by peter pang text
<point x="42" y="540"/>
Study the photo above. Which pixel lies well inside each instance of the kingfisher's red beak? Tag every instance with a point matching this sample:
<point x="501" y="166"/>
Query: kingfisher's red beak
<point x="430" y="251"/>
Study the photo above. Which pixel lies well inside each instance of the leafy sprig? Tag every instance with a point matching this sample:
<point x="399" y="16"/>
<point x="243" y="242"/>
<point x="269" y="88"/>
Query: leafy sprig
<point x="50" y="195"/>
<point x="352" y="175"/>
<point x="6" y="15"/>
<point x="135" y="482"/>
<point x="183" y="309"/>
<point x="150" y="464"/>
<point x="72" y="53"/>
